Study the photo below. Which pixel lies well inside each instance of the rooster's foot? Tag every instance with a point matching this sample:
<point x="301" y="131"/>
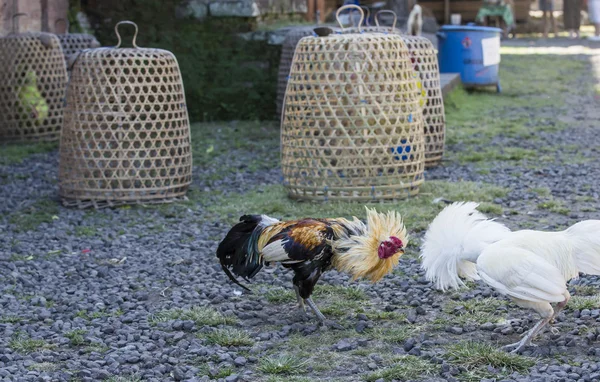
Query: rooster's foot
<point x="526" y="340"/>
<point x="517" y="346"/>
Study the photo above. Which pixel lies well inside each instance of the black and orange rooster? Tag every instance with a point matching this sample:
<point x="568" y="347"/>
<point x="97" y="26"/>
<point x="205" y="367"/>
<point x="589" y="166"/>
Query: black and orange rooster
<point x="311" y="246"/>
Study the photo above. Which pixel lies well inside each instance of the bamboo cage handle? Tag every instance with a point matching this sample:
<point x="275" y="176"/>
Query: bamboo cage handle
<point x="67" y="24"/>
<point x="119" y="36"/>
<point x="350" y="6"/>
<point x="15" y="20"/>
<point x="386" y="11"/>
<point x="368" y="11"/>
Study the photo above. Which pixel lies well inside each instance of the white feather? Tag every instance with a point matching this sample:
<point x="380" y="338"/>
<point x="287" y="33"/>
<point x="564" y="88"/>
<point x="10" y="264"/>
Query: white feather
<point x="585" y="237"/>
<point x="274" y="252"/>
<point x="266" y="221"/>
<point x="521" y="274"/>
<point x="454" y="240"/>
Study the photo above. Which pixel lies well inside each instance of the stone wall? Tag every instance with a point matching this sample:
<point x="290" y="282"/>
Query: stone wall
<point x="200" y="9"/>
<point x="42" y="15"/>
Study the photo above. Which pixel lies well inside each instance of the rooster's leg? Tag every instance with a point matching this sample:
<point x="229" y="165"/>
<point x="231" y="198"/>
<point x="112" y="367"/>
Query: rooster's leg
<point x="316" y="310"/>
<point x="518" y="346"/>
<point x="560" y="306"/>
<point x="300" y="299"/>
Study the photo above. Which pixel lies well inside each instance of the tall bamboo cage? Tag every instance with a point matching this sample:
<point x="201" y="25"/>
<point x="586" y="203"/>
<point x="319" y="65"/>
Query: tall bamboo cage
<point x="352" y="125"/>
<point x="126" y="137"/>
<point x="425" y="62"/>
<point x="33" y="78"/>
<point x="285" y="62"/>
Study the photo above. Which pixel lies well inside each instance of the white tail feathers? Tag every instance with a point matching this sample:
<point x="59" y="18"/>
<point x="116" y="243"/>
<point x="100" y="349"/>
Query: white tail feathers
<point x="585" y="238"/>
<point x="414" y="25"/>
<point x="454" y="240"/>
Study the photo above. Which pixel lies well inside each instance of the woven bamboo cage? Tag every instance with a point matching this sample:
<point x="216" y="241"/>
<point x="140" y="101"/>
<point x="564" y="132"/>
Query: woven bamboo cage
<point x="126" y="137"/>
<point x="73" y="43"/>
<point x="425" y="62"/>
<point x="352" y="125"/>
<point x="285" y="62"/>
<point x="33" y="78"/>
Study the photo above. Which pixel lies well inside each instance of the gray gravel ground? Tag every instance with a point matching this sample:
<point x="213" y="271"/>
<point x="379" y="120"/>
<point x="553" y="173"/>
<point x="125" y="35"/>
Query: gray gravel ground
<point x="88" y="296"/>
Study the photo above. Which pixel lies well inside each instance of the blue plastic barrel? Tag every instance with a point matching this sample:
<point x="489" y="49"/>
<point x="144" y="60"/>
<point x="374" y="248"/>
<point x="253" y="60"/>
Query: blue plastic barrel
<point x="472" y="51"/>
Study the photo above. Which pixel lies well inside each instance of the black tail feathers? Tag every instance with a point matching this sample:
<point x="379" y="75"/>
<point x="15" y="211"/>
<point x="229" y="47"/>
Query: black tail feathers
<point x="238" y="253"/>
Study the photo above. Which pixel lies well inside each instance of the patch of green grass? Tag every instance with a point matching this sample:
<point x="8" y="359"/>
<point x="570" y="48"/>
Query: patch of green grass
<point x="404" y="368"/>
<point x="128" y="378"/>
<point x="337" y="300"/>
<point x="222" y="372"/>
<point x="584" y="302"/>
<point x="99" y="314"/>
<point x="22" y="343"/>
<point x="477" y="356"/>
<point x="10" y="319"/>
<point x="396" y="334"/>
<point x="289" y="378"/>
<point x="44" y="367"/>
<point x="417" y="211"/>
<point x="555" y="206"/>
<point x="280" y="296"/>
<point x="585" y="290"/>
<point x="85" y="231"/>
<point x="584" y="198"/>
<point x="351" y="292"/>
<point x="29" y="218"/>
<point x="520" y="112"/>
<point x="228" y="337"/>
<point x="496" y="154"/>
<point x="542" y="191"/>
<point x="17" y="257"/>
<point x="199" y="314"/>
<point x="341" y="307"/>
<point x="490" y="208"/>
<point x="476" y="311"/>
<point x="282" y="364"/>
<point x="76" y="337"/>
<point x="16" y="153"/>
<point x="95" y="348"/>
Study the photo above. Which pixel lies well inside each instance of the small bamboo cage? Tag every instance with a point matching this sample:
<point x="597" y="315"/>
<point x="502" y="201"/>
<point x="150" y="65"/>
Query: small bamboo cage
<point x="285" y="62"/>
<point x="33" y="78"/>
<point x="425" y="62"/>
<point x="73" y="43"/>
<point x="352" y="125"/>
<point x="126" y="137"/>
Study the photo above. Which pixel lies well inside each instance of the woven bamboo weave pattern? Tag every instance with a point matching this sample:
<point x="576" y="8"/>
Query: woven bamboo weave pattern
<point x="424" y="59"/>
<point x="74" y="43"/>
<point x="285" y="62"/>
<point x="352" y="126"/>
<point x="126" y="137"/>
<point x="33" y="78"/>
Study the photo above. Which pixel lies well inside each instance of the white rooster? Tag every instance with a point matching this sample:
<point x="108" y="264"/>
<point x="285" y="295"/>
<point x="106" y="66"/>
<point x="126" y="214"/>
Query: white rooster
<point x="531" y="267"/>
